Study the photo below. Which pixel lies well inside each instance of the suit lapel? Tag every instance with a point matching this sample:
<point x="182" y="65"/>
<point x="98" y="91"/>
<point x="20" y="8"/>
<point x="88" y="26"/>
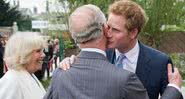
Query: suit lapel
<point x="143" y="67"/>
<point x="111" y="55"/>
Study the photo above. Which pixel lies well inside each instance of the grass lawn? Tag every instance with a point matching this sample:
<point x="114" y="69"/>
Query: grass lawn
<point x="46" y="83"/>
<point x="183" y="84"/>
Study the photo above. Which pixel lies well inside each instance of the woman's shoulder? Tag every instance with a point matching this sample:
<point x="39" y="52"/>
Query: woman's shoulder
<point x="9" y="86"/>
<point x="9" y="80"/>
<point x="14" y="76"/>
<point x="10" y="76"/>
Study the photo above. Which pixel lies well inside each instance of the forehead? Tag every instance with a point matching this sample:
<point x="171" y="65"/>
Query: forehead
<point x="116" y="20"/>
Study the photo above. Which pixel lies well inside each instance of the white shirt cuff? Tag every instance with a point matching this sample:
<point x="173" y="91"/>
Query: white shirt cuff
<point x="175" y="86"/>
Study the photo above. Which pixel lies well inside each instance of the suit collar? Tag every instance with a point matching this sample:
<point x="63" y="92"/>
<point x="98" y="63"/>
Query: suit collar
<point x="143" y="53"/>
<point x="94" y="50"/>
<point x="91" y="55"/>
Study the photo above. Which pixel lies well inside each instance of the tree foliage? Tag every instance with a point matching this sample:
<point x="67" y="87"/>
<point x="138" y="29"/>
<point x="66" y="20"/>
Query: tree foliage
<point x="71" y="5"/>
<point x="8" y="14"/>
<point x="162" y="13"/>
<point x="24" y="24"/>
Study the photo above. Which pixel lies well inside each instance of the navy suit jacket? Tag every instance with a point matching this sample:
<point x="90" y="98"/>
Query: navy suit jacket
<point x="151" y="69"/>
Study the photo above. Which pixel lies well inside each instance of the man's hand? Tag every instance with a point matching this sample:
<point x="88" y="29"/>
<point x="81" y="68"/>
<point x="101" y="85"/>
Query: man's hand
<point x="174" y="77"/>
<point x="66" y="62"/>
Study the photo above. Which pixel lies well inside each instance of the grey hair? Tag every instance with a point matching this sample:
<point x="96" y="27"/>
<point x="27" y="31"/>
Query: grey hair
<point x="92" y="28"/>
<point x="19" y="48"/>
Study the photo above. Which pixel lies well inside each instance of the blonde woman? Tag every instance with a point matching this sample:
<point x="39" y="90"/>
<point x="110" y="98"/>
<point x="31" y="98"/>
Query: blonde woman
<point x="23" y="56"/>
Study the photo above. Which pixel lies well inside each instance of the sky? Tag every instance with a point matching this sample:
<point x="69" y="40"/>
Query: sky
<point x="40" y="4"/>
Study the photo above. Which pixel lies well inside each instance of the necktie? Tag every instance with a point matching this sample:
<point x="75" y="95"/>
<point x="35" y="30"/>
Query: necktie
<point x="119" y="61"/>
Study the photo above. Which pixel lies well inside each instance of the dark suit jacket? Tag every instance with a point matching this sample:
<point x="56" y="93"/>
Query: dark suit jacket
<point x="93" y="77"/>
<point x="1" y="60"/>
<point x="151" y="69"/>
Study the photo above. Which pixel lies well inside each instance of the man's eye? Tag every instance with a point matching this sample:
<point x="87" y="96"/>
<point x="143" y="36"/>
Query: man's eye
<point x="39" y="50"/>
<point x="108" y="27"/>
<point x="116" y="30"/>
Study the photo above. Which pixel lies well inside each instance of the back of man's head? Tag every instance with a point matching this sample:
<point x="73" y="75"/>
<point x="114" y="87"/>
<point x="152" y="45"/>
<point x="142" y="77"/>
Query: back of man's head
<point x="85" y="23"/>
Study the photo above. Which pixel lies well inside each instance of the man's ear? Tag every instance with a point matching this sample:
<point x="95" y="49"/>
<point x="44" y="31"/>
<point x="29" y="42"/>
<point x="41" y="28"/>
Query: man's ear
<point x="133" y="33"/>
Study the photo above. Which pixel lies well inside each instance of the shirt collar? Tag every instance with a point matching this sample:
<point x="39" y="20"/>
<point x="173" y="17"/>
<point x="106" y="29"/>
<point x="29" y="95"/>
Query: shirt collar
<point x="94" y="50"/>
<point x="131" y="55"/>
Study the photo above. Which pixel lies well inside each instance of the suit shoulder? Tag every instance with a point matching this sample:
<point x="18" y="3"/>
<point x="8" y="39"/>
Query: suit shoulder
<point x="129" y="80"/>
<point x="112" y="70"/>
<point x="57" y="73"/>
<point x="123" y="76"/>
<point x="154" y="52"/>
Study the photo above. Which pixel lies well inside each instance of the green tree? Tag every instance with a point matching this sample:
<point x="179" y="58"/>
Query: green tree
<point x="8" y="14"/>
<point x="162" y="13"/>
<point x="103" y="4"/>
<point x="24" y="24"/>
<point x="71" y="5"/>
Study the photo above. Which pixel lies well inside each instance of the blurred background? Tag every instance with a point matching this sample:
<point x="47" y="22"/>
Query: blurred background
<point x="164" y="31"/>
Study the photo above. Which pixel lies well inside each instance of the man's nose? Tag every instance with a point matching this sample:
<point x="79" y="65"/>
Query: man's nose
<point x="109" y="34"/>
<point x="43" y="55"/>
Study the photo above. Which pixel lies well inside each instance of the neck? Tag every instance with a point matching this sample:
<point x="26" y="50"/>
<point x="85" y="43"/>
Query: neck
<point x="93" y="44"/>
<point x="129" y="47"/>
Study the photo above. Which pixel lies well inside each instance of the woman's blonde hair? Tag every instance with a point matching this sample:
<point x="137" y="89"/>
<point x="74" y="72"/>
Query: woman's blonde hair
<point x="19" y="48"/>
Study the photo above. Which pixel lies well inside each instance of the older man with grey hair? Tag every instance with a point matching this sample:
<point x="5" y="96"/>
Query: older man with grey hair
<point x="91" y="76"/>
